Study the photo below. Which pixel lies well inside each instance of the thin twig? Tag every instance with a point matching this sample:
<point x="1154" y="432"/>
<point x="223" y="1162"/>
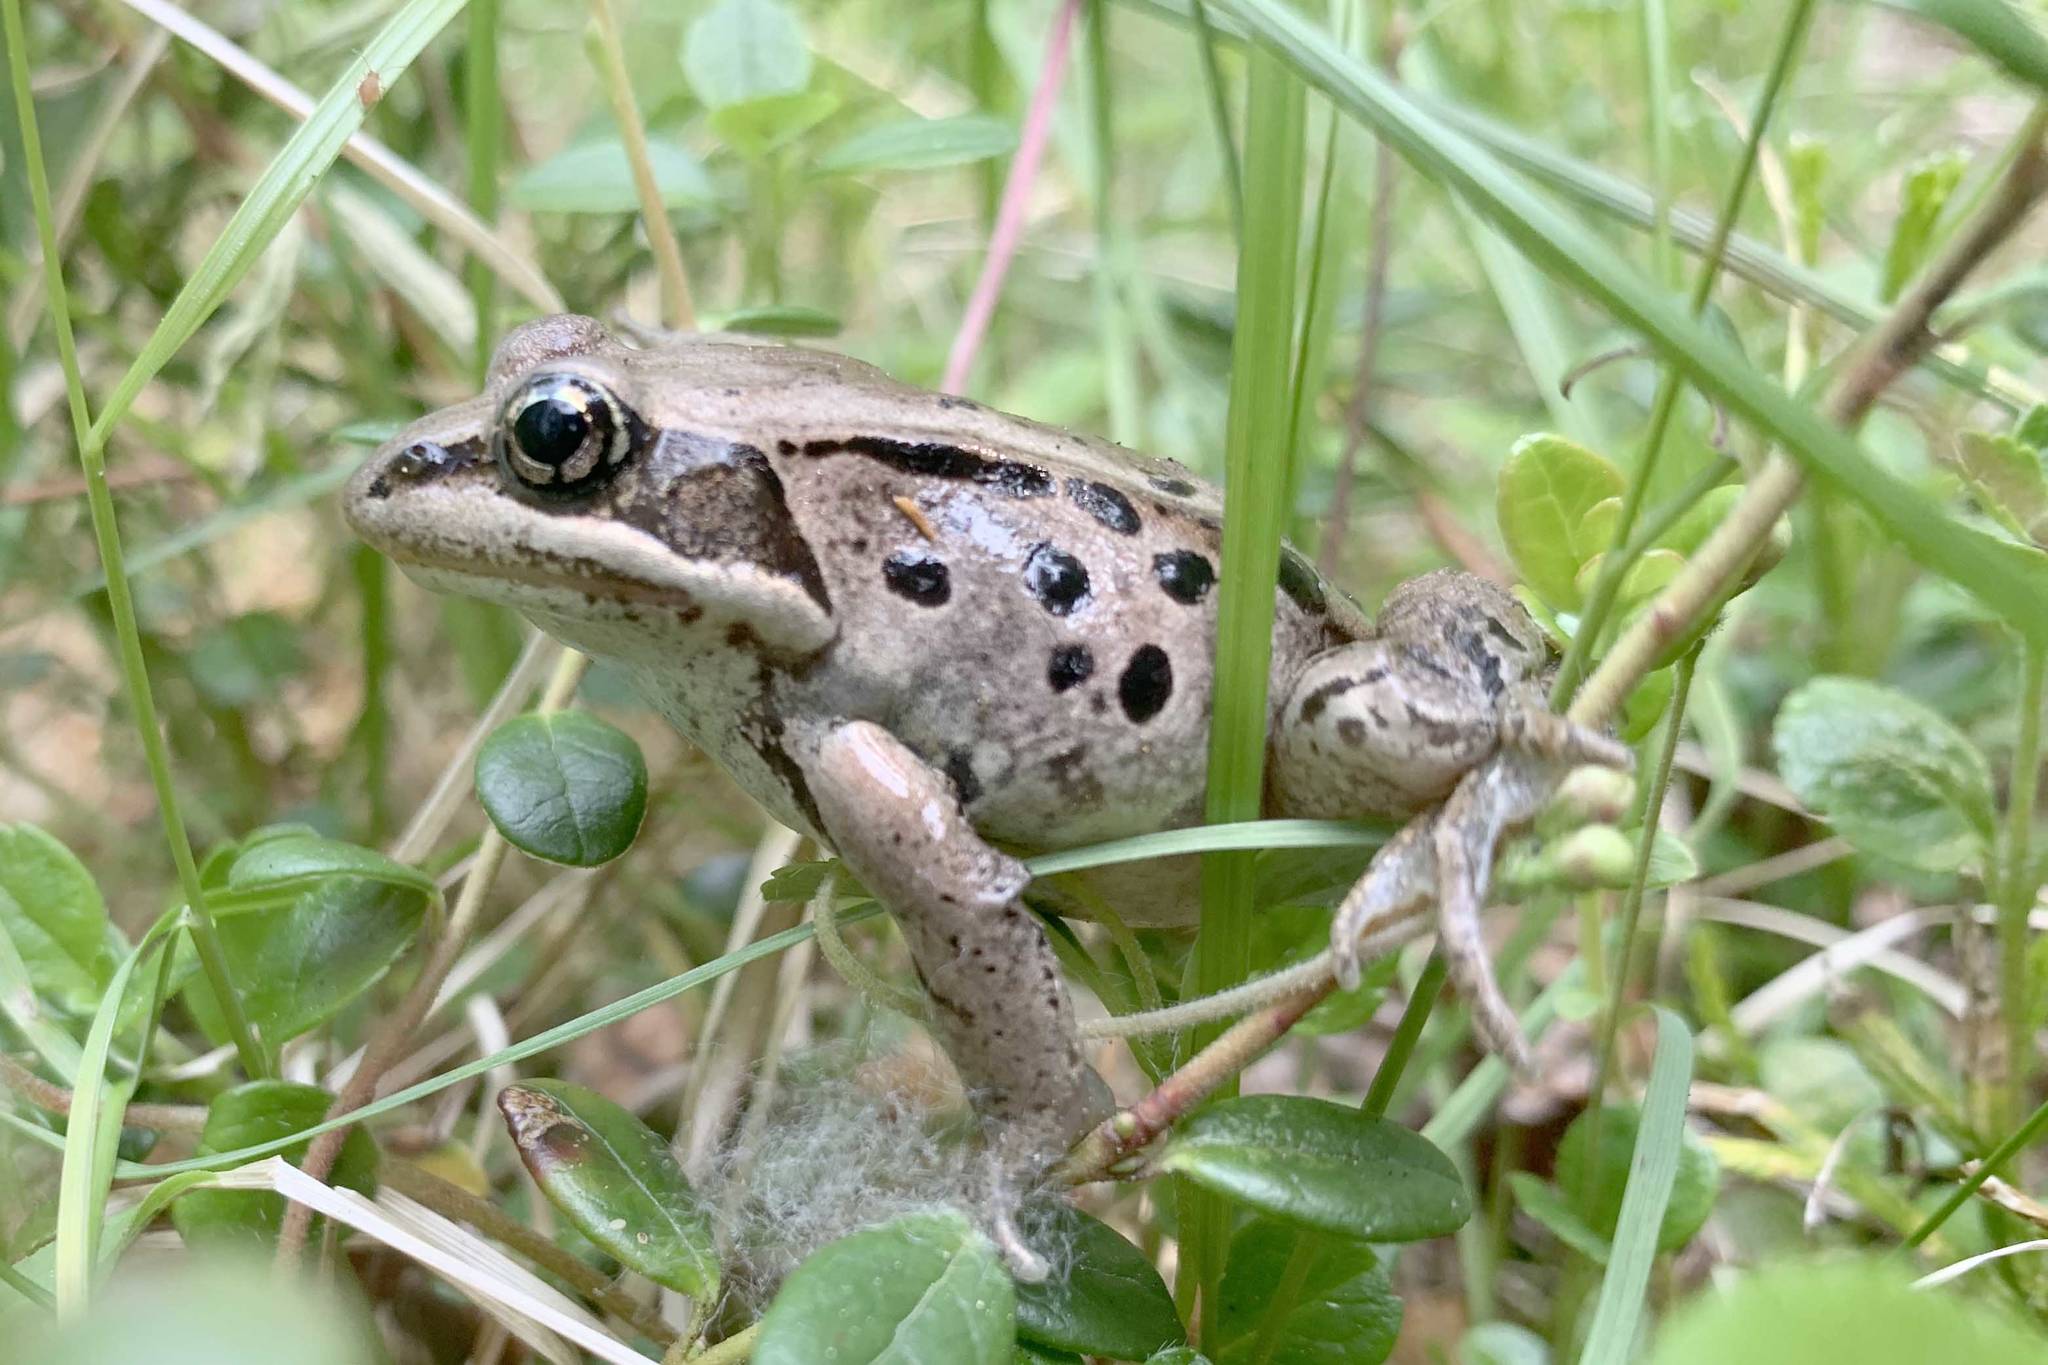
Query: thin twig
<point x="1009" y="228"/>
<point x="677" y="310"/>
<point x="56" y="1099"/>
<point x="1886" y="353"/>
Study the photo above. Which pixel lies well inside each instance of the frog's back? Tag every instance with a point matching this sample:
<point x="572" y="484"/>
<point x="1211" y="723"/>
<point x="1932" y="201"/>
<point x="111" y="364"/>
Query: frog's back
<point x="1031" y="610"/>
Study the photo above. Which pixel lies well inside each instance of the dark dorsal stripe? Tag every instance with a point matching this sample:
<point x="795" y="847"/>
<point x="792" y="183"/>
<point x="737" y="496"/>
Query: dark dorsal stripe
<point x="935" y="460"/>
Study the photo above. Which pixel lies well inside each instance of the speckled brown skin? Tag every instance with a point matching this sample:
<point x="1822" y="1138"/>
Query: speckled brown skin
<point x="786" y="548"/>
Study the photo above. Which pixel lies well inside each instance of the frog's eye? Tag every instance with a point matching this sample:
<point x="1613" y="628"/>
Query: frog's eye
<point x="559" y="431"/>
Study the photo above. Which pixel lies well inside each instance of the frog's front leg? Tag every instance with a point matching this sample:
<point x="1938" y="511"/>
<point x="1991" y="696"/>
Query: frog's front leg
<point x="1445" y="704"/>
<point x="1000" y="1005"/>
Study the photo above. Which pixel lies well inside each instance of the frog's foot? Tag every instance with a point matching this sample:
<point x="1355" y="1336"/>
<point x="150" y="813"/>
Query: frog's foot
<point x="1000" y="1007"/>
<point x="1400" y="881"/>
<point x="1532" y="728"/>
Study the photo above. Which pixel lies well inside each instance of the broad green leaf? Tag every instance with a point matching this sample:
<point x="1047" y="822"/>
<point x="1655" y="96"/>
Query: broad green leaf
<point x="1345" y="1313"/>
<point x="744" y="49"/>
<point x="1928" y="187"/>
<point x="52" y="911"/>
<point x="1841" y="1308"/>
<point x="921" y="1287"/>
<point x="1820" y="1079"/>
<point x="2011" y="579"/>
<point x="303" y="943"/>
<point x="593" y="176"/>
<point x="1649" y="575"/>
<point x="918" y="144"/>
<point x="1547" y="488"/>
<point x="2007" y="478"/>
<point x="1322" y="1165"/>
<point x="1888" y="772"/>
<point x="1104" y="1298"/>
<point x="755" y="127"/>
<point x="259" y="1111"/>
<point x="780" y="320"/>
<point x="1558" y="1211"/>
<point x="286" y="859"/>
<point x="243" y="660"/>
<point x="1702" y="517"/>
<point x="1619" y="1312"/>
<point x="615" y="1179"/>
<point x="1693" y="1189"/>
<point x="564" y="787"/>
<point x="1645" y="706"/>
<point x="2032" y="427"/>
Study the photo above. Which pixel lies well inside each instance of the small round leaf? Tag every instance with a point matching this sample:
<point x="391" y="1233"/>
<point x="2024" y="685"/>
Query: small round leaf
<point x="925" y="1286"/>
<point x="1548" y="487"/>
<point x="1692" y="1191"/>
<point x="564" y="787"/>
<point x="1323" y="1165"/>
<point x="614" y="1178"/>
<point x="1104" y="1299"/>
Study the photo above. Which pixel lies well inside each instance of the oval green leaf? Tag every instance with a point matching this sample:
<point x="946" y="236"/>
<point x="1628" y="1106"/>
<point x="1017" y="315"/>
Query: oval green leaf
<point x="592" y="175"/>
<point x="741" y="50"/>
<point x="261" y="1111"/>
<point x="302" y="946"/>
<point x="780" y="320"/>
<point x="1105" y="1298"/>
<point x="1322" y="1165"/>
<point x="920" y="144"/>
<point x="564" y="787"/>
<point x="1548" y="487"/>
<point x="1693" y="1188"/>
<point x="52" y="911"/>
<point x="1345" y="1311"/>
<point x="614" y="1178"/>
<point x="1888" y="772"/>
<point x="925" y="1286"/>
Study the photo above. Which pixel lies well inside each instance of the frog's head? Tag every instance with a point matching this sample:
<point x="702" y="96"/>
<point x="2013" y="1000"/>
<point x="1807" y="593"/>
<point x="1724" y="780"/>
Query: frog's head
<point x="603" y="491"/>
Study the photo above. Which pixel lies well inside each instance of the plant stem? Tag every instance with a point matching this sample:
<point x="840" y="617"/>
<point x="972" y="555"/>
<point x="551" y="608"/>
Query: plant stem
<point x="399" y="1027"/>
<point x="734" y="1349"/>
<point x="120" y="601"/>
<point x="1614" y="567"/>
<point x="2016" y="898"/>
<point x="678" y="313"/>
<point x="1301" y="1260"/>
<point x="1993" y="1162"/>
<point x="1219" y="114"/>
<point x="483" y="116"/>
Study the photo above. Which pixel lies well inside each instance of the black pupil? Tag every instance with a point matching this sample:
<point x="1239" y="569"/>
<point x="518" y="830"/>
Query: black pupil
<point x="551" y="430"/>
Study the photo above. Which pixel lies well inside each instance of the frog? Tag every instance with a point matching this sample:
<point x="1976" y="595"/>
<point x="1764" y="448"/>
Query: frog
<point x="939" y="638"/>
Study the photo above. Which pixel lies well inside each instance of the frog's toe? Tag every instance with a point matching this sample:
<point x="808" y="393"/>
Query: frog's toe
<point x="1541" y="733"/>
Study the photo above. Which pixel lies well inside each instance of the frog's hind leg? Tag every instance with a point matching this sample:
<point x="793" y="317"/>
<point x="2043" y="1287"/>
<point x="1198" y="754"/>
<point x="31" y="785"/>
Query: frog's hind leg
<point x="1000" y="1007"/>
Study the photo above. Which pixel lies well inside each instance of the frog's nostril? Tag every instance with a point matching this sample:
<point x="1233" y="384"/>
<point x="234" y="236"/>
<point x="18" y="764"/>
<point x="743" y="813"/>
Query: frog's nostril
<point x="417" y="460"/>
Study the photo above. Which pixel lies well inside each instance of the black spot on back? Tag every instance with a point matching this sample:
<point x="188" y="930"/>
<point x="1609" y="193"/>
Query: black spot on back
<point x="918" y="577"/>
<point x="1057" y="579"/>
<point x="1070" y="666"/>
<point x="1178" y="488"/>
<point x="1105" y="504"/>
<point x="934" y="460"/>
<point x="1186" y="575"/>
<point x="1146" y="685"/>
<point x="1302" y="584"/>
<point x="960" y="768"/>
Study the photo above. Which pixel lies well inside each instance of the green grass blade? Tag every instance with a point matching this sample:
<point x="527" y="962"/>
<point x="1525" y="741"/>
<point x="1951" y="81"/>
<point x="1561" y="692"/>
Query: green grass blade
<point x="1618" y="1315"/>
<point x="2011" y="579"/>
<point x="277" y="194"/>
<point x="1994" y="27"/>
